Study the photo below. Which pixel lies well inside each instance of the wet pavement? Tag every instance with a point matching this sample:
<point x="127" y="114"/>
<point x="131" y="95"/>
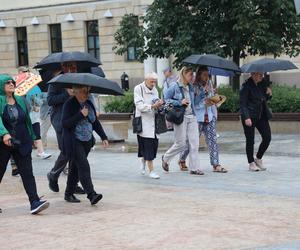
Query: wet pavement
<point x="237" y="210"/>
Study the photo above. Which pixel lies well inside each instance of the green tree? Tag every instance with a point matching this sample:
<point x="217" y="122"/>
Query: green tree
<point x="229" y="28"/>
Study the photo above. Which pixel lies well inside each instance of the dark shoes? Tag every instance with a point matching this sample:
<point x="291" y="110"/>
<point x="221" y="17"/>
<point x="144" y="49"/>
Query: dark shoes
<point x="71" y="198"/>
<point x="164" y="164"/>
<point x="53" y="184"/>
<point x="79" y="190"/>
<point x="196" y="172"/>
<point x="14" y="171"/>
<point x="94" y="198"/>
<point x="38" y="206"/>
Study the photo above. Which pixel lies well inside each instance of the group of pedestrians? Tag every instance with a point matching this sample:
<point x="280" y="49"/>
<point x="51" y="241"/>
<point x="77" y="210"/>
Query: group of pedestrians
<point x="72" y="113"/>
<point x="194" y="92"/>
<point x="74" y="117"/>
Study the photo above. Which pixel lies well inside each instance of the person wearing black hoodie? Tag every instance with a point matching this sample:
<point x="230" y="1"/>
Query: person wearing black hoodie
<point x="255" y="113"/>
<point x="56" y="98"/>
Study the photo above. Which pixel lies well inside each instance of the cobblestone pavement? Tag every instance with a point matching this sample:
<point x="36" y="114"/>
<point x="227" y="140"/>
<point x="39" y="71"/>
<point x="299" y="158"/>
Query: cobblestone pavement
<point x="238" y="210"/>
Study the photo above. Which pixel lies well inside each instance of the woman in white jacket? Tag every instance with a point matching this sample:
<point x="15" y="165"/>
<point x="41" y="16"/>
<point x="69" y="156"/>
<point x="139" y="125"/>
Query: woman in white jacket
<point x="146" y="101"/>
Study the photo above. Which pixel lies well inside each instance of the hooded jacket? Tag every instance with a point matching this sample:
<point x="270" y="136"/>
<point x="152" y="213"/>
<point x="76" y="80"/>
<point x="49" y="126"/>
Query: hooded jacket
<point x="19" y="101"/>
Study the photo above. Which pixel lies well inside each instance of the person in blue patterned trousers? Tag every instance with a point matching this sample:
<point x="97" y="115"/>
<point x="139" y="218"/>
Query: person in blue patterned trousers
<point x="206" y="117"/>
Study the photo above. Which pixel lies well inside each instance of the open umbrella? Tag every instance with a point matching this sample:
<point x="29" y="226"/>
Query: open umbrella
<point x="212" y="61"/>
<point x="267" y="65"/>
<point x="98" y="84"/>
<point x="220" y="72"/>
<point x="25" y="82"/>
<point x="54" y="60"/>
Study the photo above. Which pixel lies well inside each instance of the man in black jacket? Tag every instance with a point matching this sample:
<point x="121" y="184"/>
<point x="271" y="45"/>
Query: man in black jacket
<point x="255" y="113"/>
<point x="56" y="98"/>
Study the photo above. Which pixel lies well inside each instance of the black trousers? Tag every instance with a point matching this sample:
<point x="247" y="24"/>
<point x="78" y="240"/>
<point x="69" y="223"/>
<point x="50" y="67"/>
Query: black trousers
<point x="264" y="129"/>
<point x="61" y="161"/>
<point x="24" y="164"/>
<point x="79" y="168"/>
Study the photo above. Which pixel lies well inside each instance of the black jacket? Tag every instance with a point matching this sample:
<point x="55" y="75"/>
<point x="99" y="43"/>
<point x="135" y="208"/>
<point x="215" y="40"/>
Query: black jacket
<point x="56" y="98"/>
<point x="253" y="100"/>
<point x="71" y="115"/>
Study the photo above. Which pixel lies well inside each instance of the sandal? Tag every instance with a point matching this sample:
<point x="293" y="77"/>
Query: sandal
<point x="196" y="172"/>
<point x="182" y="165"/>
<point x="219" y="169"/>
<point x="164" y="164"/>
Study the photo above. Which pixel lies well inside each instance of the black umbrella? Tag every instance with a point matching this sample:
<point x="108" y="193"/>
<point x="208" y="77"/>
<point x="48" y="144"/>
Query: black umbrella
<point x="54" y="60"/>
<point x="267" y="65"/>
<point x="98" y="71"/>
<point x="98" y="84"/>
<point x="212" y="61"/>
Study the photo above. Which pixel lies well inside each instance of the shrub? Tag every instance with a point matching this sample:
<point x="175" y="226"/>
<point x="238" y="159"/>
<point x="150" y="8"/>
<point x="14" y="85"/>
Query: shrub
<point x="120" y="104"/>
<point x="285" y="99"/>
<point x="232" y="102"/>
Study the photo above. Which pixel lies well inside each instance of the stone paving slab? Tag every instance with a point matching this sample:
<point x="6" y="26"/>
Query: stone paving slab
<point x="238" y="210"/>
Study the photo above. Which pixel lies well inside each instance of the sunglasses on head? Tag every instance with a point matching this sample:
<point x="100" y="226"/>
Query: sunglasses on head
<point x="11" y="82"/>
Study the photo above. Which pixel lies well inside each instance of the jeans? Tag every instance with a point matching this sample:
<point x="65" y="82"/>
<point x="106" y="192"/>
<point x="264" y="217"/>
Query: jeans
<point x="24" y="164"/>
<point x="210" y="132"/>
<point x="80" y="168"/>
<point x="186" y="131"/>
<point x="264" y="129"/>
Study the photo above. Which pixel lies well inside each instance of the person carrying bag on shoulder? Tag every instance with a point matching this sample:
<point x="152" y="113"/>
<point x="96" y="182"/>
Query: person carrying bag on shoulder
<point x="181" y="97"/>
<point x="146" y="102"/>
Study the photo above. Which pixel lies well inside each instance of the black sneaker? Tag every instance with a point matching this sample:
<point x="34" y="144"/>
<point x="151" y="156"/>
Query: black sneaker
<point x="79" y="190"/>
<point x="38" y="206"/>
<point x="71" y="198"/>
<point x="53" y="185"/>
<point x="95" y="198"/>
<point x="15" y="171"/>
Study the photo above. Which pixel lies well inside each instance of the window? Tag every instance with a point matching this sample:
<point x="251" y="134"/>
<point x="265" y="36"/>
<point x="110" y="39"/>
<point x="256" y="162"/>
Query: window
<point x="22" y="46"/>
<point x="93" y="38"/>
<point x="131" y="54"/>
<point x="55" y="38"/>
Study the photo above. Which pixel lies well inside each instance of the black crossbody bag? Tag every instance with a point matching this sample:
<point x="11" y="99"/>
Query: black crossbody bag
<point x="137" y="126"/>
<point x="176" y="113"/>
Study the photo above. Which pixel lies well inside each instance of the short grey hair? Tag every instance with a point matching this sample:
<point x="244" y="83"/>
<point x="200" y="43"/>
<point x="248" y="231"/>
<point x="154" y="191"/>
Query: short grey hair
<point x="151" y="75"/>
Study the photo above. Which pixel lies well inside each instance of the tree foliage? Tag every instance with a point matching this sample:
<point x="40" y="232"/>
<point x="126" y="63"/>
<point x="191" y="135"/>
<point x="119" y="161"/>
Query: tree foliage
<point x="229" y="28"/>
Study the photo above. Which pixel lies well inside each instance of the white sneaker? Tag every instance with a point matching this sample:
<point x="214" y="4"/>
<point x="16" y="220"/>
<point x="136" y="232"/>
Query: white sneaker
<point x="260" y="164"/>
<point x="154" y="175"/>
<point x="253" y="167"/>
<point x="143" y="167"/>
<point x="44" y="155"/>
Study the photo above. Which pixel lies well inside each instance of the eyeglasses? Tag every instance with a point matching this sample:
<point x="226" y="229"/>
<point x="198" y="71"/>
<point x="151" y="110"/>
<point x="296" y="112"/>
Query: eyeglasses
<point x="11" y="82"/>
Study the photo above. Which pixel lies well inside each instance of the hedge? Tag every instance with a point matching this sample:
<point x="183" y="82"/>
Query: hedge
<point x="285" y="99"/>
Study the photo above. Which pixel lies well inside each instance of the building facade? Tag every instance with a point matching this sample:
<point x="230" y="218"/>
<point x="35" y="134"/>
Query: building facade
<point x="31" y="30"/>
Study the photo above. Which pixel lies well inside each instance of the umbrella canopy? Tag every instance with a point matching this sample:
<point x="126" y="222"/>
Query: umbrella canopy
<point x="98" y="84"/>
<point x="220" y="72"/>
<point x="212" y="61"/>
<point x="54" y="60"/>
<point x="98" y="71"/>
<point x="267" y="65"/>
